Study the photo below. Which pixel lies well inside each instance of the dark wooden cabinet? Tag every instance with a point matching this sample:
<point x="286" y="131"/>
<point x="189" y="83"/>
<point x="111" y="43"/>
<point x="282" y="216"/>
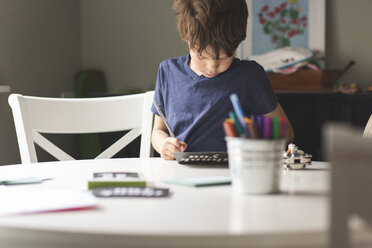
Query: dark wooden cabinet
<point x="308" y="112"/>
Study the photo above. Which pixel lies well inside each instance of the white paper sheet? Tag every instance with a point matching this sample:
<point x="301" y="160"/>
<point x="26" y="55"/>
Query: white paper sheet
<point x="25" y="201"/>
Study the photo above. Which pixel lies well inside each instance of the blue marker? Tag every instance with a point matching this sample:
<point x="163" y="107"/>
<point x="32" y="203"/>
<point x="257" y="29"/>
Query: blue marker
<point x="260" y="124"/>
<point x="239" y="112"/>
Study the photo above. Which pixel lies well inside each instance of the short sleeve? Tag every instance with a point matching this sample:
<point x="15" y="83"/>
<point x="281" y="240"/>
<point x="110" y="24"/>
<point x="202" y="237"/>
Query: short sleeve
<point x="262" y="98"/>
<point x="159" y="87"/>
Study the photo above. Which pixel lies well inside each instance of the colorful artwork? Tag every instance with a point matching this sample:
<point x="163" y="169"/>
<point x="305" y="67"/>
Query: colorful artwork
<point x="279" y="24"/>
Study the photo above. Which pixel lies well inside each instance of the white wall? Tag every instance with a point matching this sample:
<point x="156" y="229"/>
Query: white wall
<point x="39" y="54"/>
<point x="128" y="39"/>
<point x="349" y="37"/>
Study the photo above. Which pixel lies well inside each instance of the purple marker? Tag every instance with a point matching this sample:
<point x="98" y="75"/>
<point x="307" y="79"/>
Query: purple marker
<point x="267" y="127"/>
<point x="259" y="122"/>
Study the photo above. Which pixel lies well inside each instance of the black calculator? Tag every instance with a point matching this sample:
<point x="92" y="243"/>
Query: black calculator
<point x="210" y="158"/>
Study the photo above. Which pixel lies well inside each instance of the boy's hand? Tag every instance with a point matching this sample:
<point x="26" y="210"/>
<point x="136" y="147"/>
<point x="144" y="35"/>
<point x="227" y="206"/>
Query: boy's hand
<point x="170" y="146"/>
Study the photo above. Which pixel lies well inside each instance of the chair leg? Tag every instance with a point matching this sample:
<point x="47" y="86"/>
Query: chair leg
<point x="339" y="235"/>
<point x="339" y="209"/>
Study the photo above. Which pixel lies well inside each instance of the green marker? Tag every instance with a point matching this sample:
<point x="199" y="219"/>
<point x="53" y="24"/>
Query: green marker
<point x="276" y="128"/>
<point x="238" y="128"/>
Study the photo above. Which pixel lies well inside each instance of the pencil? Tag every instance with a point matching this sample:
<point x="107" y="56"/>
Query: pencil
<point x="164" y="119"/>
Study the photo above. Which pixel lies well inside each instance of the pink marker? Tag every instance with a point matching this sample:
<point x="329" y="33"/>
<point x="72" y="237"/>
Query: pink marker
<point x="283" y="127"/>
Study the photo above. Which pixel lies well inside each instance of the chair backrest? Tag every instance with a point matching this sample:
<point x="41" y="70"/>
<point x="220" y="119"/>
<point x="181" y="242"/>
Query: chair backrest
<point x="35" y="115"/>
<point x="368" y="128"/>
<point x="351" y="179"/>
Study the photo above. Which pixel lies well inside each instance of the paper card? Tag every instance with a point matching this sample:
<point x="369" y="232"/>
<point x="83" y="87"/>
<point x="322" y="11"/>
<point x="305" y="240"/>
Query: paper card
<point x="116" y="175"/>
<point x="16" y="201"/>
<point x="130" y="192"/>
<point x="116" y="179"/>
<point x="201" y="181"/>
<point x="22" y="180"/>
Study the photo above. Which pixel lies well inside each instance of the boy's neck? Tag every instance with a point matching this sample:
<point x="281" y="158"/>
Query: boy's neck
<point x="193" y="68"/>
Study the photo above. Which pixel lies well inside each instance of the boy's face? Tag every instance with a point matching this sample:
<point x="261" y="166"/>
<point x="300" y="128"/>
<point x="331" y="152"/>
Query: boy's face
<point x="206" y="63"/>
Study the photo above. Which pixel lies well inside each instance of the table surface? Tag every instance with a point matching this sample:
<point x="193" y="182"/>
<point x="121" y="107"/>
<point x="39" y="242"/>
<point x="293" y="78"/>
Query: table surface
<point x="201" y="217"/>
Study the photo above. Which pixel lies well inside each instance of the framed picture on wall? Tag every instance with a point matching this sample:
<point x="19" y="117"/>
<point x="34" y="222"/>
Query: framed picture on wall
<point x="280" y="23"/>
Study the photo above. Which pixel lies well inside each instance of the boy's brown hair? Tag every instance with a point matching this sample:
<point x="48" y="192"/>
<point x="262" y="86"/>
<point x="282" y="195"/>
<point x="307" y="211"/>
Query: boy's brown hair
<point x="219" y="24"/>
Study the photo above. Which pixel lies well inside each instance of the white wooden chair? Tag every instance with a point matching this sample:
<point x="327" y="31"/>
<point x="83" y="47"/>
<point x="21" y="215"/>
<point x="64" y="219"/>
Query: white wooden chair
<point x="351" y="181"/>
<point x="35" y="115"/>
<point x="368" y="128"/>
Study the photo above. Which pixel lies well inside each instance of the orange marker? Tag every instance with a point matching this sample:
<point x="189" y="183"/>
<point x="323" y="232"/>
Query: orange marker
<point x="228" y="126"/>
<point x="252" y="127"/>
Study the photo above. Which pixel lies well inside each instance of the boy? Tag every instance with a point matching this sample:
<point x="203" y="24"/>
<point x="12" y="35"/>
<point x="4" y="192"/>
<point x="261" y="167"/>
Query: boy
<point x="193" y="91"/>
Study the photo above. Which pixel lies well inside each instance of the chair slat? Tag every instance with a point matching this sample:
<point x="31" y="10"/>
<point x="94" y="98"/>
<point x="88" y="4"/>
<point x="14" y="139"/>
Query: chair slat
<point x="49" y="147"/>
<point x="119" y="144"/>
<point x="368" y="129"/>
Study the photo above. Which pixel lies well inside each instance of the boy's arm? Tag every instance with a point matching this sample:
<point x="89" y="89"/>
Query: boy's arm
<point x="279" y="112"/>
<point x="164" y="144"/>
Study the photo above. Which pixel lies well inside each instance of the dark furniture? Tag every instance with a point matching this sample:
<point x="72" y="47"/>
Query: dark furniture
<point x="308" y="111"/>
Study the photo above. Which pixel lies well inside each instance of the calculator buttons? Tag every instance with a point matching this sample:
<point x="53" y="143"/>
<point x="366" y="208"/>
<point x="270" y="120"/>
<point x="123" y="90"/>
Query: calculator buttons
<point x="201" y="158"/>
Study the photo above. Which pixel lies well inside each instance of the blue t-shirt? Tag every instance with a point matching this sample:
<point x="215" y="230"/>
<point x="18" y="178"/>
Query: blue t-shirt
<point x="195" y="106"/>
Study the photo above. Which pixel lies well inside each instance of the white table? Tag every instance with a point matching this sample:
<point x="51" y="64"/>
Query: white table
<point x="190" y="217"/>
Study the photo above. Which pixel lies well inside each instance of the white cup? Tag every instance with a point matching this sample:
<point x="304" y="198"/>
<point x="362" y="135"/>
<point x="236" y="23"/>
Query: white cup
<point x="255" y="164"/>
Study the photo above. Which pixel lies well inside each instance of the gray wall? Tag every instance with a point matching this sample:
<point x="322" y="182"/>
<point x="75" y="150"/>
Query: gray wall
<point x="128" y="39"/>
<point x="39" y="54"/>
<point x="44" y="42"/>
